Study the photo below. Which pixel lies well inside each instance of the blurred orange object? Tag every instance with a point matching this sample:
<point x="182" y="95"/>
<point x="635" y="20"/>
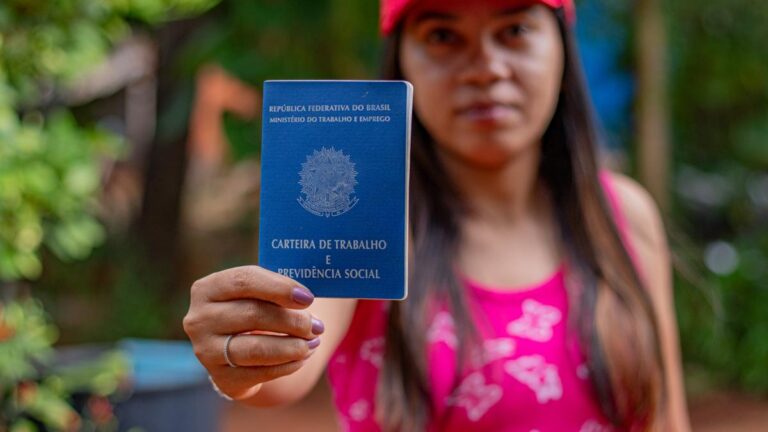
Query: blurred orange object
<point x="217" y="92"/>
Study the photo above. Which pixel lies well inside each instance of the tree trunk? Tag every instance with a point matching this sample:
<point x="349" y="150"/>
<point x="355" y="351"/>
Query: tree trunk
<point x="652" y="100"/>
<point x="158" y="226"/>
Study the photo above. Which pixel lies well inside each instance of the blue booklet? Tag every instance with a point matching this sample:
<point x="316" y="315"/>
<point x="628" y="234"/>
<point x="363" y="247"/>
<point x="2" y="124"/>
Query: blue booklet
<point x="334" y="185"/>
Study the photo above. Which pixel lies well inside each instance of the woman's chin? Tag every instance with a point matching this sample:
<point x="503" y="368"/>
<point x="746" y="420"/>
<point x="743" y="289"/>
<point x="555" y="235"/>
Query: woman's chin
<point x="500" y="145"/>
<point x="487" y="155"/>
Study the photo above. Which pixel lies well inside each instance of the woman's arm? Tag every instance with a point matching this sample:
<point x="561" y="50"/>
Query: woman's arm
<point x="648" y="237"/>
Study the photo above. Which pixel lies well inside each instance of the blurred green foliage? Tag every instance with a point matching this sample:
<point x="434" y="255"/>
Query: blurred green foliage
<point x="49" y="168"/>
<point x="719" y="90"/>
<point x="44" y="43"/>
<point x="50" y="177"/>
<point x="50" y="165"/>
<point x="34" y="391"/>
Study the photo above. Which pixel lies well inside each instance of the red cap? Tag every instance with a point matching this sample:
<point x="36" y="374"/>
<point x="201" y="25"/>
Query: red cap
<point x="393" y="10"/>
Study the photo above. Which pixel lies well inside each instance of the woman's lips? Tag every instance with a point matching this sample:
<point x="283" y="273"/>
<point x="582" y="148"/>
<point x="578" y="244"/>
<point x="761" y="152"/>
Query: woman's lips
<point x="488" y="113"/>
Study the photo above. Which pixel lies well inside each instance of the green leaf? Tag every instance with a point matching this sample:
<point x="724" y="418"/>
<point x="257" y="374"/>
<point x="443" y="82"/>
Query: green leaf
<point x="23" y="425"/>
<point x="82" y="179"/>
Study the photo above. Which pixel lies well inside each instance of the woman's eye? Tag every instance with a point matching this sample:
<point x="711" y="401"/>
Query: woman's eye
<point x="514" y="31"/>
<point x="442" y="36"/>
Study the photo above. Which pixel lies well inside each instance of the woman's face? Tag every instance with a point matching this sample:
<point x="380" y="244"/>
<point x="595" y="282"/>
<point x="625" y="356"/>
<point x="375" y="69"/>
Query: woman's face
<point x="486" y="75"/>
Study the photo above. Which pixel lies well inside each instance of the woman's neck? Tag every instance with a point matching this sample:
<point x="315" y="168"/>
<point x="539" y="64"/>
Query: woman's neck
<point x="502" y="194"/>
<point x="508" y="236"/>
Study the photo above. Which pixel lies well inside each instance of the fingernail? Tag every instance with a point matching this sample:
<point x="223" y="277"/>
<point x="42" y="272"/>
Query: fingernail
<point x="314" y="343"/>
<point x="317" y="326"/>
<point x="303" y="296"/>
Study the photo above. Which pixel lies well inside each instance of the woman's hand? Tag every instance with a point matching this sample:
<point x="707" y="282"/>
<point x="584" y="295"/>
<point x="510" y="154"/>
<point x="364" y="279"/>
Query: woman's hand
<point x="266" y="312"/>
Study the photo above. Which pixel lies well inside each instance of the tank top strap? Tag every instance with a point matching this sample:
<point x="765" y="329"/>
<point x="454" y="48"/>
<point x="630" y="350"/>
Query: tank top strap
<point x="622" y="225"/>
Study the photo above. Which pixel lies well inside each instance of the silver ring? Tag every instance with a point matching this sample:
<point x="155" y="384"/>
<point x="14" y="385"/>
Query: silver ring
<point x="226" y="351"/>
<point x="218" y="390"/>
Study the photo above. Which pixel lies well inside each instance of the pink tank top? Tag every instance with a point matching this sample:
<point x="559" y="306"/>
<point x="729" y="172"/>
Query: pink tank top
<point x="531" y="376"/>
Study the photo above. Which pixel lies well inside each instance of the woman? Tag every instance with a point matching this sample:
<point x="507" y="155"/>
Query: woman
<point x="540" y="297"/>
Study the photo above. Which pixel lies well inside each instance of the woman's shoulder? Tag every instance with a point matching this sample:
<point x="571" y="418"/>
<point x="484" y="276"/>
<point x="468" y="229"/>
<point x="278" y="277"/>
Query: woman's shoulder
<point x="644" y="234"/>
<point x="639" y="210"/>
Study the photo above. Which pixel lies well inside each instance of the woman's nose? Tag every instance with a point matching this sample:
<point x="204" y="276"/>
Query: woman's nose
<point x="486" y="64"/>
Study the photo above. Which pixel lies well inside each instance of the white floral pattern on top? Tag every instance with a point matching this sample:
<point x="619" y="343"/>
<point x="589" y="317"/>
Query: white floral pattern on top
<point x="372" y="350"/>
<point x="538" y="375"/>
<point x="442" y="330"/>
<point x="582" y="371"/>
<point x="595" y="426"/>
<point x="536" y="323"/>
<point x="494" y="349"/>
<point x="474" y="395"/>
<point x="359" y="410"/>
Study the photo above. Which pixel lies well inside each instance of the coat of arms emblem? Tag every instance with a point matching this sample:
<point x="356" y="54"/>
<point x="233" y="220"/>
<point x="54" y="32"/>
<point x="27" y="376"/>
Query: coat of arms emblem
<point x="328" y="180"/>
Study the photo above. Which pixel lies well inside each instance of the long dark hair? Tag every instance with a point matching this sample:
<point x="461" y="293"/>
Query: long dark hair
<point x="613" y="318"/>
